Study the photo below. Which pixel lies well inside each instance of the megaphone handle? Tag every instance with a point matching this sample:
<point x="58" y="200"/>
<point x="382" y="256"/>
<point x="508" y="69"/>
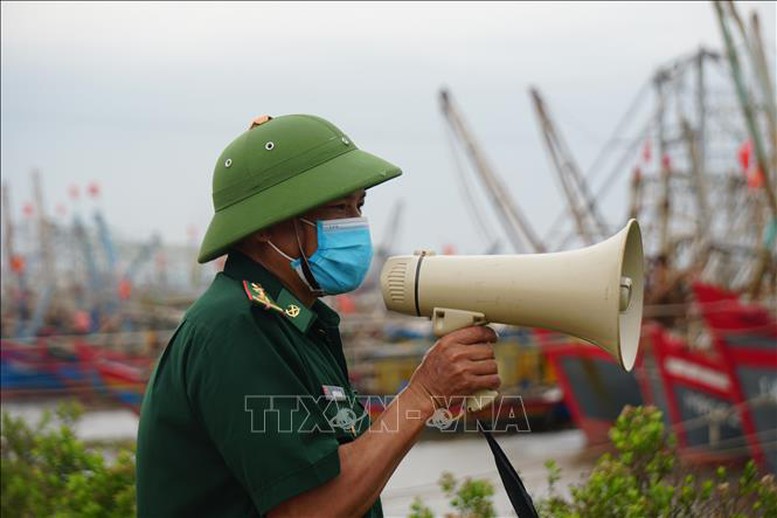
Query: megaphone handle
<point x="446" y="320"/>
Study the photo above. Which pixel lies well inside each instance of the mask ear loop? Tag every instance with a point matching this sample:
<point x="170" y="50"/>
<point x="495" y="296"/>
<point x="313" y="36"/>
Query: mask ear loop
<point x="306" y="271"/>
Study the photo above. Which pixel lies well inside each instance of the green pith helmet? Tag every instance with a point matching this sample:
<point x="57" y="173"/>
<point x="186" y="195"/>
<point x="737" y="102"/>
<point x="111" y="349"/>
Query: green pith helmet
<point x="280" y="168"/>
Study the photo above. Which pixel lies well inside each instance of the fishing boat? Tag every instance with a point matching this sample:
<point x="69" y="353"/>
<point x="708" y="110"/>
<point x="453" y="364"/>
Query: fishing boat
<point x="745" y="336"/>
<point x="37" y="369"/>
<point x="73" y="368"/>
<point x="115" y="374"/>
<point x="88" y="321"/>
<point x="594" y="387"/>
<point x="703" y="151"/>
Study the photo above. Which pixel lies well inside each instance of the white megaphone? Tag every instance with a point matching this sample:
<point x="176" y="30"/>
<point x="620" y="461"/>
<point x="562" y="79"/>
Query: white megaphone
<point x="594" y="293"/>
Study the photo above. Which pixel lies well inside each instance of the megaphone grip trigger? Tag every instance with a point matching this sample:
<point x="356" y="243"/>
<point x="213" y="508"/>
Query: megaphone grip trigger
<point x="446" y="320"/>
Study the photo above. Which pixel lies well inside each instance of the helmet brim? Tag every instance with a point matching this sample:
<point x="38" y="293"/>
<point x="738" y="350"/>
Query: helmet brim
<point x="328" y="181"/>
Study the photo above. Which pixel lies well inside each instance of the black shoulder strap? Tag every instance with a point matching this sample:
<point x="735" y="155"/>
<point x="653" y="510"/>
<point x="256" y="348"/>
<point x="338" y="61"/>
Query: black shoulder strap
<point x="519" y="497"/>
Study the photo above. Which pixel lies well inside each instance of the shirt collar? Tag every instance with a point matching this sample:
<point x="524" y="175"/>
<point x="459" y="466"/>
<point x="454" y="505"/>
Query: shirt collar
<point x="242" y="268"/>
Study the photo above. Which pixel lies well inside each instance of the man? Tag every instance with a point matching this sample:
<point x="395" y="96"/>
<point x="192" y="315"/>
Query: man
<point x="243" y="415"/>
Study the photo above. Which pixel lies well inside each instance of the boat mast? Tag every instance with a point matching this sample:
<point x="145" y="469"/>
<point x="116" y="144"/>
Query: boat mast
<point x="664" y="203"/>
<point x="16" y="288"/>
<point x="47" y="262"/>
<point x="476" y="209"/>
<point x="695" y="142"/>
<point x="698" y="150"/>
<point x="762" y="70"/>
<point x="746" y="105"/>
<point x="515" y="223"/>
<point x="590" y="224"/>
<point x="635" y="205"/>
<point x="92" y="272"/>
<point x="8" y="230"/>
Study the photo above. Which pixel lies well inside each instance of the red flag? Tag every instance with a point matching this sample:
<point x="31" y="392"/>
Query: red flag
<point x="666" y="162"/>
<point x="125" y="289"/>
<point x="93" y="189"/>
<point x="346" y="304"/>
<point x="647" y="151"/>
<point x="744" y="154"/>
<point x="17" y="263"/>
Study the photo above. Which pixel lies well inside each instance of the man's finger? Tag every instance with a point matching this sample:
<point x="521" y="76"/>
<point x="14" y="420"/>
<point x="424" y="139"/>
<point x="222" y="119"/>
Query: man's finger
<point x="480" y="351"/>
<point x="489" y="381"/>
<point x="473" y="335"/>
<point x="483" y="367"/>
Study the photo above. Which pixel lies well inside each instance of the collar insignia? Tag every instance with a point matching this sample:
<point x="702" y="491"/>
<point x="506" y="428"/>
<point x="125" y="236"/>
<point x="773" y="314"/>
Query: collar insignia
<point x="292" y="310"/>
<point x="258" y="296"/>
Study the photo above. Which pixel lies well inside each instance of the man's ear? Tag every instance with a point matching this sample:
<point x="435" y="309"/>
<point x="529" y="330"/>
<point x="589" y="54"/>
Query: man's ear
<point x="273" y="231"/>
<point x="261" y="236"/>
<point x="252" y="242"/>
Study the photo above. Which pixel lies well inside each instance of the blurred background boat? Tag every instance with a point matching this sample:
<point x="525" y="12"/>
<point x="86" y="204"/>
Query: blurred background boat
<point x="702" y="160"/>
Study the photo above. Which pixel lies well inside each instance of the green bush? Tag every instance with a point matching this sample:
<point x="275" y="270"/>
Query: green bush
<point x="47" y="471"/>
<point x="644" y="478"/>
<point x="471" y="499"/>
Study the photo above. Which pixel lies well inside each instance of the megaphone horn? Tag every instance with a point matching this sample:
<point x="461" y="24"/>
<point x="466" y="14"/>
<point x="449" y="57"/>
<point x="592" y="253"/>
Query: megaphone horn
<point x="594" y="293"/>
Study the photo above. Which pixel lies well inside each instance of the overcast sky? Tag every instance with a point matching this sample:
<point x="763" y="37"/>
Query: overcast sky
<point x="142" y="97"/>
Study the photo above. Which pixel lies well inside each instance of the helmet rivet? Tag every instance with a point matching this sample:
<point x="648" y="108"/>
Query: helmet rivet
<point x="269" y="146"/>
<point x="345" y="141"/>
<point x="228" y="162"/>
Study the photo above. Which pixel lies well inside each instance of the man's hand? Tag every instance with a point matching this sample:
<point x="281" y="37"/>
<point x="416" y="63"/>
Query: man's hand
<point x="459" y="364"/>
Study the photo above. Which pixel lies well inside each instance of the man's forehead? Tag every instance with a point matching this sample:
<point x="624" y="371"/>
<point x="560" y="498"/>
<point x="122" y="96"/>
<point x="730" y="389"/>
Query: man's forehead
<point x="355" y="195"/>
<point x="358" y="195"/>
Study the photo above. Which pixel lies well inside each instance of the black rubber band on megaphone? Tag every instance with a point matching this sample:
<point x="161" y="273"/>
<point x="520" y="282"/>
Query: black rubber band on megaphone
<point x="415" y="288"/>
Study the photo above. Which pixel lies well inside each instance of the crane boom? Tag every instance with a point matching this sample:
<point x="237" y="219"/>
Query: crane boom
<point x="475" y="208"/>
<point x="517" y="227"/>
<point x="590" y="224"/>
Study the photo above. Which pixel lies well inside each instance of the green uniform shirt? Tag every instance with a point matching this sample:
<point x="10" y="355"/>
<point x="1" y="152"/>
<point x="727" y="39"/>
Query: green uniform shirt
<point x="248" y="403"/>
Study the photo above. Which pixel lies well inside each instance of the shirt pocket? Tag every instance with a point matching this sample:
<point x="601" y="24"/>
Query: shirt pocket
<point x="346" y="416"/>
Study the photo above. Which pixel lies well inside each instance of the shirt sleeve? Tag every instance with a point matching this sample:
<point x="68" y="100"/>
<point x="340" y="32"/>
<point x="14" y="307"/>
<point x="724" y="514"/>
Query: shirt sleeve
<point x="246" y="386"/>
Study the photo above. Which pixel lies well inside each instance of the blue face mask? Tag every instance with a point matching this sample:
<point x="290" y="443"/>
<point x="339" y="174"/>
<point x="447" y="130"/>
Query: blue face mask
<point x="342" y="258"/>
